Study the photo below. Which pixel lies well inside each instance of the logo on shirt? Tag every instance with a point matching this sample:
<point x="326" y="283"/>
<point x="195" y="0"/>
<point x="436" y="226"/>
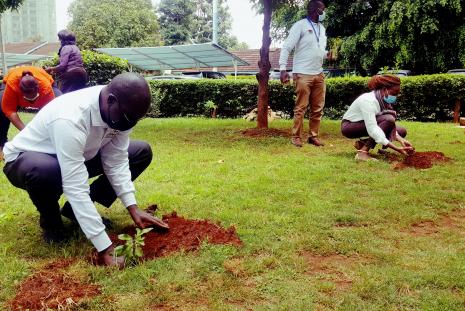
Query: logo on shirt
<point x="112" y="133"/>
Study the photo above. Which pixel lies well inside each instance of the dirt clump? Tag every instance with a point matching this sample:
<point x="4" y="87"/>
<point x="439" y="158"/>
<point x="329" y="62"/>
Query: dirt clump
<point x="266" y="132"/>
<point x="52" y="288"/>
<point x="183" y="234"/>
<point x="418" y="160"/>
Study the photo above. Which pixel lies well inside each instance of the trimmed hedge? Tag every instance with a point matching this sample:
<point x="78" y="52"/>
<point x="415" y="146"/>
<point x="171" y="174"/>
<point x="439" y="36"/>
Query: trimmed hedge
<point x="423" y="98"/>
<point x="100" y="68"/>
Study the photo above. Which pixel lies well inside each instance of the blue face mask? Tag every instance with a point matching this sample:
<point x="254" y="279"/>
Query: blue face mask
<point x="390" y="99"/>
<point x="322" y="16"/>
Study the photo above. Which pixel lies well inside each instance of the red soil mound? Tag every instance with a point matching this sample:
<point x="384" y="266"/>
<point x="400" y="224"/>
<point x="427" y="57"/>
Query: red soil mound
<point x="184" y="234"/>
<point x="51" y="288"/>
<point x="266" y="132"/>
<point x="419" y="160"/>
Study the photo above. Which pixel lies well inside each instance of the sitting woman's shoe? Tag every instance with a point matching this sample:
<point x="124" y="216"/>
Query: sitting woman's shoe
<point x="359" y="144"/>
<point x="364" y="156"/>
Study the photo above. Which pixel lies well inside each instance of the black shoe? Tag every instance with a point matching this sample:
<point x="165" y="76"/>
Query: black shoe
<point x="67" y="212"/>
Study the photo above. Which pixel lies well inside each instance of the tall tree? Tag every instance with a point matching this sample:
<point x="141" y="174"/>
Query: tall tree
<point x="427" y="36"/>
<point x="263" y="76"/>
<point x="191" y="21"/>
<point x="176" y="20"/>
<point x="9" y="5"/>
<point x="114" y="23"/>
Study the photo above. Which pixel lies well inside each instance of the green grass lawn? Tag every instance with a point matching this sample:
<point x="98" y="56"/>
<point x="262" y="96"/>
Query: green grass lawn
<point x="320" y="230"/>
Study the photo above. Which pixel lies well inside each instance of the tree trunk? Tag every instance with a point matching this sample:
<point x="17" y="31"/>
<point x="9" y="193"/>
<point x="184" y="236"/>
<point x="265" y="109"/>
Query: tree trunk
<point x="264" y="64"/>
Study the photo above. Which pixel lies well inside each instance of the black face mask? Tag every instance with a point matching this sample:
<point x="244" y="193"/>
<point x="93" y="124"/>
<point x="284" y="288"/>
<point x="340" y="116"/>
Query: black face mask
<point x="122" y="123"/>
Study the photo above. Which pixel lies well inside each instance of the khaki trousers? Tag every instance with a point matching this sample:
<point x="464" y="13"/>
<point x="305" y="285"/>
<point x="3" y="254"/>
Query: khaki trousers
<point x="310" y="89"/>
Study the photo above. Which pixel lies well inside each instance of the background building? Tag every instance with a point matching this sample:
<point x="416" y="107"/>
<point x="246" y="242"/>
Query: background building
<point x="34" y="21"/>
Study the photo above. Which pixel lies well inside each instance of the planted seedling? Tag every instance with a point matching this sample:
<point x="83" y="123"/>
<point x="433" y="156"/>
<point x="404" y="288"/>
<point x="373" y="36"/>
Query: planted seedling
<point x="132" y="248"/>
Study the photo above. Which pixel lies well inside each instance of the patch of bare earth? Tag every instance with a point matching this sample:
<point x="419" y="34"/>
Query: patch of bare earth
<point x="330" y="268"/>
<point x="51" y="288"/>
<point x="453" y="221"/>
<point x="418" y="160"/>
<point x="266" y="132"/>
<point x="183" y="235"/>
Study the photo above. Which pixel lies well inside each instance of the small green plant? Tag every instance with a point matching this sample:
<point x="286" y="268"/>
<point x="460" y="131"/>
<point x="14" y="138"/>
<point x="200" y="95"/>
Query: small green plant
<point x="132" y="249"/>
<point x="211" y="107"/>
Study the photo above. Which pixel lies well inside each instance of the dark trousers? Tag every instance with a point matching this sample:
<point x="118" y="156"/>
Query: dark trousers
<point x="73" y="80"/>
<point x="386" y="122"/>
<point x="5" y="122"/>
<point x="39" y="174"/>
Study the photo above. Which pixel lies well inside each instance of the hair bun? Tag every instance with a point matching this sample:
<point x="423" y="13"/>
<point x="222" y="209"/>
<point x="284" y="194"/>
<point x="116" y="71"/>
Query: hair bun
<point x="383" y="81"/>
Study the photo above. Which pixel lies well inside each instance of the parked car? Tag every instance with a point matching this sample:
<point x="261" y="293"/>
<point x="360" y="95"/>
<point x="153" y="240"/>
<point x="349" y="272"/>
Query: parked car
<point x="457" y="71"/>
<point x="396" y="72"/>
<point x="205" y="74"/>
<point x="170" y="77"/>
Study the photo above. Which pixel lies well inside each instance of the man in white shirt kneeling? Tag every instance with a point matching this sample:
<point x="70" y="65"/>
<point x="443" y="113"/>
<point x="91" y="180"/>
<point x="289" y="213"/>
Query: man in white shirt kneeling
<point x="77" y="136"/>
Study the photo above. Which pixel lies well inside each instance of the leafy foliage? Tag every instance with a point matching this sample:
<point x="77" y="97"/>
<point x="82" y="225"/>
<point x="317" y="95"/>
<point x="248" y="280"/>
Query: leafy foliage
<point x="132" y="249"/>
<point x="114" y="23"/>
<point x="190" y="21"/>
<point x="422" y="98"/>
<point x="426" y="36"/>
<point x="100" y="68"/>
<point x="9" y="4"/>
<point x="175" y="20"/>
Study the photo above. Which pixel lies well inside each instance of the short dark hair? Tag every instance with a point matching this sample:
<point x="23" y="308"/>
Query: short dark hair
<point x="28" y="83"/>
<point x="66" y="37"/>
<point x="313" y="4"/>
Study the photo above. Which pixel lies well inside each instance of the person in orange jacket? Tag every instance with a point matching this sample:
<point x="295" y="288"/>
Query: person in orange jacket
<point x="27" y="87"/>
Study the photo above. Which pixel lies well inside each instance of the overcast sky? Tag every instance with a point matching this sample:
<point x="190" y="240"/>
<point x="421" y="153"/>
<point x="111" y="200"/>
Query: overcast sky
<point x="247" y="26"/>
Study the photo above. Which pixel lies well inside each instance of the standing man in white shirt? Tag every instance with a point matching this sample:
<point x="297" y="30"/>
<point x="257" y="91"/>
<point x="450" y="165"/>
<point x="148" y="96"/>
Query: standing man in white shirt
<point x="307" y="38"/>
<point x="77" y="136"/>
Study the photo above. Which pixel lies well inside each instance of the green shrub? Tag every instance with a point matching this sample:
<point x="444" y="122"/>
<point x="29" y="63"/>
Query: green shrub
<point x="423" y="98"/>
<point x="244" y="77"/>
<point x="101" y="68"/>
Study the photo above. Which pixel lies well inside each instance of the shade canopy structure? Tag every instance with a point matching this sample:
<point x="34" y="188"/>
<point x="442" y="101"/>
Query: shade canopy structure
<point x="204" y="55"/>
<point x="19" y="59"/>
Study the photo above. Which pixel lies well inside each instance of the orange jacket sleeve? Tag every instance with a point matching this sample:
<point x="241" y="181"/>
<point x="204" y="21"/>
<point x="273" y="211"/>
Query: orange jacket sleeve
<point x="10" y="101"/>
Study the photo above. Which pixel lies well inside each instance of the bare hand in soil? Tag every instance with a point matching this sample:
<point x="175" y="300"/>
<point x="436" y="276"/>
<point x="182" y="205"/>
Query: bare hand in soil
<point x="107" y="258"/>
<point x="404" y="150"/>
<point x="143" y="219"/>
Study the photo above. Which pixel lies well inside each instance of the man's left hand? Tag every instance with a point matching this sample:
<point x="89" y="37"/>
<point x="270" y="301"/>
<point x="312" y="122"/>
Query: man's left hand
<point x="143" y="220"/>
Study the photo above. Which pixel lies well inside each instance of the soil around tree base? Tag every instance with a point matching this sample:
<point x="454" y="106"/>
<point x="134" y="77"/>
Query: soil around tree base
<point x="184" y="234"/>
<point x="51" y="289"/>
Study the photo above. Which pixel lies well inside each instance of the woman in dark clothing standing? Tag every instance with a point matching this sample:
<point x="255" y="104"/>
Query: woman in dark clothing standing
<point x="70" y="72"/>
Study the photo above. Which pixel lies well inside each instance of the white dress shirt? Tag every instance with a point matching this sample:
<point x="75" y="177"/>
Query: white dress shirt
<point x="365" y="108"/>
<point x="71" y="127"/>
<point x="310" y="48"/>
